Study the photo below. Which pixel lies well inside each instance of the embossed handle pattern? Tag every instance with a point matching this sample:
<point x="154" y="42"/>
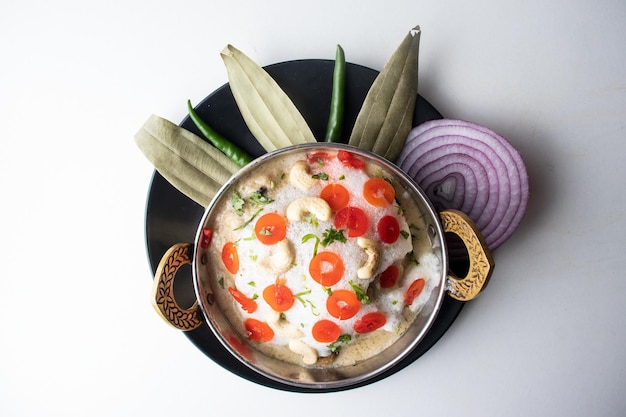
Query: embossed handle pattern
<point x="480" y="260"/>
<point x="163" y="289"/>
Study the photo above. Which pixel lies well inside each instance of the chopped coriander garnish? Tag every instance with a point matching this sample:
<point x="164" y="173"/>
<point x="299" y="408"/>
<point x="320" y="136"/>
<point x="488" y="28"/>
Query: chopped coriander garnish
<point x="405" y="234"/>
<point x="237" y="202"/>
<point x="342" y="177"/>
<point x="259" y="199"/>
<point x="321" y="176"/>
<point x="330" y="235"/>
<point x="221" y="282"/>
<point x="360" y="294"/>
<point x="335" y="347"/>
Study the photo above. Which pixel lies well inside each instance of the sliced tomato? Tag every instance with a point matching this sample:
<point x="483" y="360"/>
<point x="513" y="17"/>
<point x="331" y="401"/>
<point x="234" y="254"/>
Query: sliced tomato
<point x="389" y="276"/>
<point x="279" y="296"/>
<point x="246" y="303"/>
<point x="270" y="228"/>
<point x="326" y="331"/>
<point x="352" y="218"/>
<point x="230" y="257"/>
<point x="206" y="237"/>
<point x="388" y="229"/>
<point x="258" y="331"/>
<point x="343" y="304"/>
<point x="370" y="322"/>
<point x="378" y="192"/>
<point x="326" y="268"/>
<point x="414" y="290"/>
<point x="318" y="158"/>
<point x="336" y="195"/>
<point x="349" y="160"/>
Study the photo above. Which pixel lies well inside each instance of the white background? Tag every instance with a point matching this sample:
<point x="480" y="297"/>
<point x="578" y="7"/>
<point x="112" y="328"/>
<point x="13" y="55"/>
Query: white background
<point x="78" y="336"/>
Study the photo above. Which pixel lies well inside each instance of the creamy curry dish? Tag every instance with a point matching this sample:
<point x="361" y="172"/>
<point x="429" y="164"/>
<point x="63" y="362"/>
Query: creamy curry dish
<point x="319" y="258"/>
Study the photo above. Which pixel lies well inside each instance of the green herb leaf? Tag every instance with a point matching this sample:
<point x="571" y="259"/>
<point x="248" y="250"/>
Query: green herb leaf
<point x="259" y="199"/>
<point x="331" y="235"/>
<point x="310" y="236"/>
<point x="249" y="220"/>
<point x="321" y="176"/>
<point x="344" y="339"/>
<point x="237" y="202"/>
<point x="299" y="296"/>
<point x="360" y="294"/>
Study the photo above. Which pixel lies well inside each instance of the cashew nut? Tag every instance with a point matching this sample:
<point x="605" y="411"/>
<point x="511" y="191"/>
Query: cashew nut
<point x="371" y="263"/>
<point x="280" y="258"/>
<point x="300" y="176"/>
<point x="309" y="355"/>
<point x="302" y="206"/>
<point x="284" y="327"/>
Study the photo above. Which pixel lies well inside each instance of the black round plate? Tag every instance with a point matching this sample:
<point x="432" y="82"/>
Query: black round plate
<point x="173" y="218"/>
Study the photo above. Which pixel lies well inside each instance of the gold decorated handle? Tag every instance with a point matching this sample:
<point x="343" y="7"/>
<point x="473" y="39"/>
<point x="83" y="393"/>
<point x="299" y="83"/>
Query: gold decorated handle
<point x="163" y="289"/>
<point x="480" y="260"/>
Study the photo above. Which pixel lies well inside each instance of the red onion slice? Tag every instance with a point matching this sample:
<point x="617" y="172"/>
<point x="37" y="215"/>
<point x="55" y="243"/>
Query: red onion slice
<point x="468" y="167"/>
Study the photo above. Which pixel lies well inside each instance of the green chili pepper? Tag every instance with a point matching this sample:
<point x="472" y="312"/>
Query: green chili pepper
<point x="236" y="154"/>
<point x="335" y="118"/>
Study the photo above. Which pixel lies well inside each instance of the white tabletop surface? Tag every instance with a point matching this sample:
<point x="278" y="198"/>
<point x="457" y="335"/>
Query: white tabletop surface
<point x="78" y="336"/>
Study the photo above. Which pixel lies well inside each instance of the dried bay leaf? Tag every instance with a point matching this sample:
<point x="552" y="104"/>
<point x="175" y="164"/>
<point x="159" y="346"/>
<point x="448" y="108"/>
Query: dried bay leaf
<point x="192" y="165"/>
<point x="268" y="112"/>
<point x="386" y="116"/>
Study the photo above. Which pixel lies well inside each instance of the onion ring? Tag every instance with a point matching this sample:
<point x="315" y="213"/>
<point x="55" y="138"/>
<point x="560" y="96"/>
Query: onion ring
<point x="462" y="165"/>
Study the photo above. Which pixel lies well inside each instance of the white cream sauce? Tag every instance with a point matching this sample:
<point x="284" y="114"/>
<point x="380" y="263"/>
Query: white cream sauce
<point x="411" y="252"/>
